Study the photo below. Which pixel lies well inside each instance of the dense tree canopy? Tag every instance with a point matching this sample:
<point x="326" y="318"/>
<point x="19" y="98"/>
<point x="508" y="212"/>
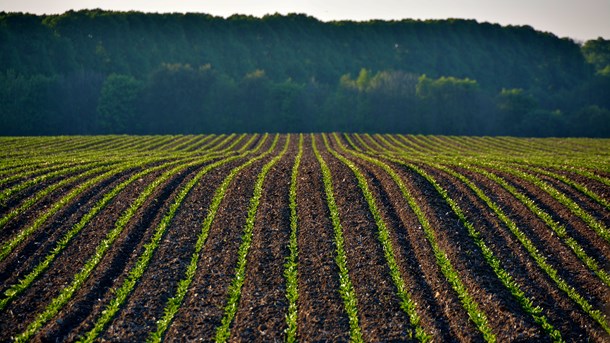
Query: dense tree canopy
<point x="128" y="72"/>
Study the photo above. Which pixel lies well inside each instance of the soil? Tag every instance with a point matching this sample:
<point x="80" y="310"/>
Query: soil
<point x="321" y="315"/>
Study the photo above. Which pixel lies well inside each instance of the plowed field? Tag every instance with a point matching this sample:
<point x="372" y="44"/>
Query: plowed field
<point x="324" y="237"/>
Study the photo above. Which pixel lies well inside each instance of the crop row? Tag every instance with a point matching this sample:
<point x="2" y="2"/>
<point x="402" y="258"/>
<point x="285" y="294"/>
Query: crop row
<point x="432" y="237"/>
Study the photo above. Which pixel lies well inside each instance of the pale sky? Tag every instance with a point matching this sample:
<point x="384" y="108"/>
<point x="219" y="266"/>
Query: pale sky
<point x="578" y="19"/>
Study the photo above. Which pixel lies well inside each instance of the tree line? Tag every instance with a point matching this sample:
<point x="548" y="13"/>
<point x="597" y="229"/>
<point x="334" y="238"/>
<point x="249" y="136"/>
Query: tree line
<point x="92" y="72"/>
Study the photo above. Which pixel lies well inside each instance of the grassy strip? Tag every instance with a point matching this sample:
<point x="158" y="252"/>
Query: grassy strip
<point x="8" y="247"/>
<point x="533" y="251"/>
<point x="223" y="331"/>
<point x="140" y="266"/>
<point x="346" y="289"/>
<point x="291" y="273"/>
<point x="67" y="292"/>
<point x="406" y="304"/>
<point x="173" y="304"/>
<point x="593" y="223"/>
<point x="493" y="261"/>
<point x="26" y="281"/>
<point x="559" y="229"/>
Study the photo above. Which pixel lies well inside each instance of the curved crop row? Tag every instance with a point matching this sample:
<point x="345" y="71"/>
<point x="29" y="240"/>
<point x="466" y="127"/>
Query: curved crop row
<point x="478" y="317"/>
<point x="345" y="284"/>
<point x="407" y="304"/>
<point x="291" y="267"/>
<point x="66" y="293"/>
<point x="558" y="228"/>
<point x="173" y="303"/>
<point x="540" y="259"/>
<point x="60" y="245"/>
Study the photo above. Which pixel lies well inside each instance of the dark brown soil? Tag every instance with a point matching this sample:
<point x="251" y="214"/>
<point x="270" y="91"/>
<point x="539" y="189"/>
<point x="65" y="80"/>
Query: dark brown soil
<point x="262" y="306"/>
<point x="558" y="307"/>
<point x="203" y="306"/>
<point x="261" y="315"/>
<point x="379" y="313"/>
<point x="321" y="314"/>
<point x="33" y="249"/>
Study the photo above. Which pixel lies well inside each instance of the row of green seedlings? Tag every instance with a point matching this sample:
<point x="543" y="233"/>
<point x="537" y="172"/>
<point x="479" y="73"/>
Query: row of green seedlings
<point x="558" y="228"/>
<point x="51" y="188"/>
<point x="346" y="289"/>
<point x="291" y="273"/>
<point x="6" y="194"/>
<point x="570" y="291"/>
<point x="7" y="248"/>
<point x="578" y="250"/>
<point x="16" y="289"/>
<point x="219" y="140"/>
<point x="553" y="158"/>
<point x="588" y="171"/>
<point x="568" y="181"/>
<point x="540" y="259"/>
<point x="86" y="184"/>
<point x="493" y="261"/>
<point x="586" y="217"/>
<point x="79" y="278"/>
<point x="174" y="302"/>
<point x="34" y="170"/>
<point x="64" y="241"/>
<point x="51" y="144"/>
<point x="589" y="219"/>
<point x="136" y="272"/>
<point x="81" y="145"/>
<point x="162" y="143"/>
<point x="223" y="331"/>
<point x="476" y="315"/>
<point x="193" y="141"/>
<point x="383" y="234"/>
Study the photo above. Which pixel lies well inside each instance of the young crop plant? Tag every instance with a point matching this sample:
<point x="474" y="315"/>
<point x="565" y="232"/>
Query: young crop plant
<point x="580" y="187"/>
<point x="346" y="289"/>
<point x="9" y="246"/>
<point x="558" y="228"/>
<point x="143" y="261"/>
<point x="67" y="292"/>
<point x="407" y="305"/>
<point x="223" y="331"/>
<point x="493" y="261"/>
<point x="25" y="282"/>
<point x="173" y="303"/>
<point x="476" y="315"/>
<point x="102" y="167"/>
<point x="593" y="223"/>
<point x="595" y="314"/>
<point x="291" y="273"/>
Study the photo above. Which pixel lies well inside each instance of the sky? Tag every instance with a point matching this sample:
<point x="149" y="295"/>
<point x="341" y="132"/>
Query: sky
<point x="578" y="19"/>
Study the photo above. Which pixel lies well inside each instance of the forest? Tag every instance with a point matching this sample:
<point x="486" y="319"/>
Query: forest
<point x="104" y="72"/>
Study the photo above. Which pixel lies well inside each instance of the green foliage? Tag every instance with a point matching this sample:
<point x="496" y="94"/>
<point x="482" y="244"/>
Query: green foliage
<point x="96" y="71"/>
<point x="597" y="53"/>
<point x="291" y="271"/>
<point x="117" y="104"/>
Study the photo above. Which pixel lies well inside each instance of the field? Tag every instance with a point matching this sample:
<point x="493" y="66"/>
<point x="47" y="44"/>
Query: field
<point x="325" y="237"/>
